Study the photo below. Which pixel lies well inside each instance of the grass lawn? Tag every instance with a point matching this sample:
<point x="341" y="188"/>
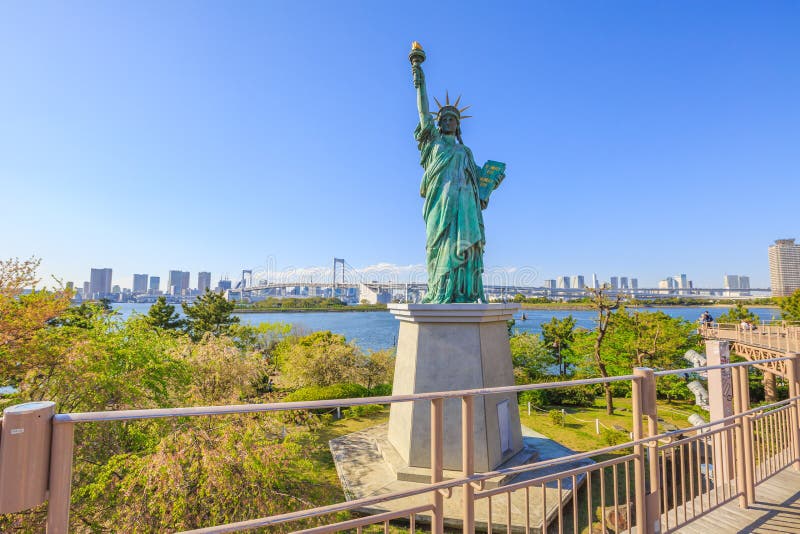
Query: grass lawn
<point x="579" y="430"/>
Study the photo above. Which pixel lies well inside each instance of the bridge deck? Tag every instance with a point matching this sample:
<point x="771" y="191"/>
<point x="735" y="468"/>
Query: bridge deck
<point x="776" y="510"/>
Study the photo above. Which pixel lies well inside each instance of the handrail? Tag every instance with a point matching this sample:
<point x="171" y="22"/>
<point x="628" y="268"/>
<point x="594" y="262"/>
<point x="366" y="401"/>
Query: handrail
<point x="160" y="413"/>
<point x="715" y="367"/>
<point x="195" y="411"/>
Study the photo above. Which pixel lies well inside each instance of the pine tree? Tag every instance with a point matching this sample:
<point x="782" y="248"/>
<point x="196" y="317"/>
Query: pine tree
<point x="163" y="315"/>
<point x="209" y="313"/>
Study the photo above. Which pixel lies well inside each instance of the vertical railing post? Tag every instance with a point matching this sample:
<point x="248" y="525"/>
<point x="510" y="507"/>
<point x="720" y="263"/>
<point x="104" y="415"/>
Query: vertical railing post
<point x="747" y="432"/>
<point x="741" y="461"/>
<point x="648" y="514"/>
<point x="468" y="462"/>
<point x="437" y="462"/>
<point x="793" y="378"/>
<point x="60" y="485"/>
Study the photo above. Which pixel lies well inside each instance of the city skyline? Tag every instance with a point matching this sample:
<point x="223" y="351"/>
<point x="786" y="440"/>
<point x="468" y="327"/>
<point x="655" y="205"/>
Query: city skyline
<point x="624" y="129"/>
<point x="179" y="281"/>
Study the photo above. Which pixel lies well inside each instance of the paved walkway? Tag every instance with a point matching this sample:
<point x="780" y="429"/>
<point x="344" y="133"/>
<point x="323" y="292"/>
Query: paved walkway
<point x="776" y="510"/>
<point x="363" y="462"/>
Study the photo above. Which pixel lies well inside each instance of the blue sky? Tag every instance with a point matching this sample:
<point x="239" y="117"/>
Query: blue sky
<point x="642" y="139"/>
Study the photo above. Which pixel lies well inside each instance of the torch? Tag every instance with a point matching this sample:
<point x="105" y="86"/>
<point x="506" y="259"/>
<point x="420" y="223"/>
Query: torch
<point x="417" y="54"/>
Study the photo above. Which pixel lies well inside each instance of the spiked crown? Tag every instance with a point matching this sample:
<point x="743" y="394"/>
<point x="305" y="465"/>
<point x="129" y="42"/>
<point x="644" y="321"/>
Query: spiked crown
<point x="450" y="109"/>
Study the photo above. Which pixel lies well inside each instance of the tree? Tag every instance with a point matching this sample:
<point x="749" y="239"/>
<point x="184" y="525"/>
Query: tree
<point x="737" y="314"/>
<point x="557" y="336"/>
<point x="210" y="313"/>
<point x="16" y="275"/>
<point x="163" y="315"/>
<point x="649" y="339"/>
<point x="23" y="316"/>
<point x="376" y="368"/>
<point x="531" y="359"/>
<point x="83" y="316"/>
<point x="790" y="306"/>
<point x="171" y="474"/>
<point x="319" y="359"/>
<point x="605" y="306"/>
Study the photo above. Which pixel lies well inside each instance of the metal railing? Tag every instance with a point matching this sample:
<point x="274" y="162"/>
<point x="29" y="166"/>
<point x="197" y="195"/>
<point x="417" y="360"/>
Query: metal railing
<point x="657" y="481"/>
<point x="780" y="336"/>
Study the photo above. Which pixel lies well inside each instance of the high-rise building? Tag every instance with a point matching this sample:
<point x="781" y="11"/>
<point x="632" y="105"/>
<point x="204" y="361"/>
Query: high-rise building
<point x="634" y="283"/>
<point x="140" y="283"/>
<point x="730" y="281"/>
<point x="784" y="267"/>
<point x="116" y="289"/>
<point x="178" y="282"/>
<point x="577" y="282"/>
<point x="563" y="282"/>
<point x="682" y="281"/>
<point x="614" y="282"/>
<point x="87" y="290"/>
<point x="223" y="285"/>
<point x="672" y="282"/>
<point x="99" y="283"/>
<point x="155" y="282"/>
<point x="185" y="281"/>
<point x="174" y="282"/>
<point x="739" y="284"/>
<point x="744" y="282"/>
<point x="203" y="281"/>
<point x="550" y="284"/>
<point x="623" y="282"/>
<point x="595" y="283"/>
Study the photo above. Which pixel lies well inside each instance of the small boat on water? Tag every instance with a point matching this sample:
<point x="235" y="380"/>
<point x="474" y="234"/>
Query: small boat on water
<point x="524" y="317"/>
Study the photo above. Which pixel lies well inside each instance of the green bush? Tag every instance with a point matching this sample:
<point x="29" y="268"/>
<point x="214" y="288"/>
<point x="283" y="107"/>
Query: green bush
<point x="336" y="391"/>
<point x="621" y="389"/>
<point x="381" y="390"/>
<point x="572" y="396"/>
<point x="613" y="437"/>
<point x="360" y="411"/>
<point x="557" y="417"/>
<point x="537" y="397"/>
<point x="673" y="387"/>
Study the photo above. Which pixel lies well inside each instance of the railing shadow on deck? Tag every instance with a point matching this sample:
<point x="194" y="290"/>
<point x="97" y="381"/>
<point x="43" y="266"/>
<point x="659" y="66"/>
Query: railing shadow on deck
<point x="780" y="511"/>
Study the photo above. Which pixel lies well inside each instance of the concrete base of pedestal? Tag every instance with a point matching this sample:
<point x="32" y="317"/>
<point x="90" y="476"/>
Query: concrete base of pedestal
<point x="447" y="347"/>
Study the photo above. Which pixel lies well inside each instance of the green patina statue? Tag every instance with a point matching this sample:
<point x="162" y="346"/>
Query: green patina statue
<point x="455" y="191"/>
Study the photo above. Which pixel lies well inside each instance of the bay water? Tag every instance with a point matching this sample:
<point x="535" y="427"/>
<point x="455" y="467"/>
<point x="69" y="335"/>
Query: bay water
<point x="378" y="330"/>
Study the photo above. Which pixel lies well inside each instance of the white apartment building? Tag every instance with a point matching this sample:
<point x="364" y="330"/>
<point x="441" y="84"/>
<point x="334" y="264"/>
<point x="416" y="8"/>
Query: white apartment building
<point x="784" y="267"/>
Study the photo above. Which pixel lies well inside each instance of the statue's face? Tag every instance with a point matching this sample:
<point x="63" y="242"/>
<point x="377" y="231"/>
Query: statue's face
<point x="448" y="124"/>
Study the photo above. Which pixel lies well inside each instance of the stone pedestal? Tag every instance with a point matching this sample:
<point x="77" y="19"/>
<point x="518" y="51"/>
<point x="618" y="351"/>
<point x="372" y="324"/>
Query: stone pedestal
<point x="446" y="347"/>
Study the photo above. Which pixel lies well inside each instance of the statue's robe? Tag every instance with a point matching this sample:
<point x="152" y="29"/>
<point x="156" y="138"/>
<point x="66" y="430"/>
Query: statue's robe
<point x="453" y="218"/>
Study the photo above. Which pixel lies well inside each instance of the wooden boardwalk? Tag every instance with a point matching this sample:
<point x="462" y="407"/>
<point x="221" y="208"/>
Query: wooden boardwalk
<point x="776" y="510"/>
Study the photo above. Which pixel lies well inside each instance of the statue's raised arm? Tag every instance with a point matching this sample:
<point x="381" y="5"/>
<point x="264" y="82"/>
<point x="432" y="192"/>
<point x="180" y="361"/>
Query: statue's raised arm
<point x="417" y="56"/>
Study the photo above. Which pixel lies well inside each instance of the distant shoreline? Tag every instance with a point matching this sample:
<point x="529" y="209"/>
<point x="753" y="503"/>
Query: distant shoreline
<point x="585" y="307"/>
<point x="310" y="310"/>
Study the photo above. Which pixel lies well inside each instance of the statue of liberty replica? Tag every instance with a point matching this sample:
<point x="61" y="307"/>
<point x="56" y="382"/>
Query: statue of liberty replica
<point x="455" y="339"/>
<point x="455" y="191"/>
